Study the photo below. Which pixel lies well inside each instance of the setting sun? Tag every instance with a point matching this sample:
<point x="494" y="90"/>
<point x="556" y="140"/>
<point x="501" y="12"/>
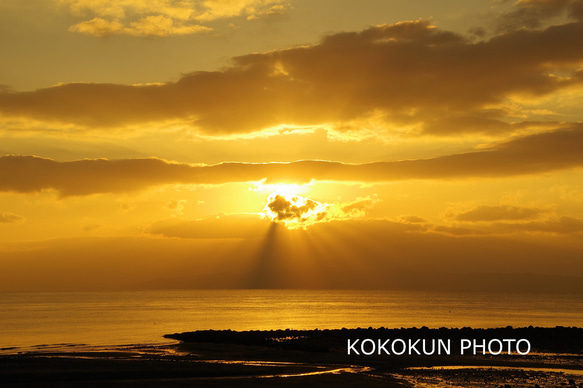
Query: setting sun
<point x="448" y="137"/>
<point x="245" y="165"/>
<point x="285" y="189"/>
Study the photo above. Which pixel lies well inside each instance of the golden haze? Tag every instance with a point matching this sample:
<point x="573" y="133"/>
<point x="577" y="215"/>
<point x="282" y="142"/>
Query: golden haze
<point x="191" y="144"/>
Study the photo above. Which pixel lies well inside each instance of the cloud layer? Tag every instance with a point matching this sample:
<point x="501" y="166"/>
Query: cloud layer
<point x="349" y="254"/>
<point x="489" y="213"/>
<point x="534" y="154"/>
<point x="533" y="13"/>
<point x="10" y="218"/>
<point x="406" y="75"/>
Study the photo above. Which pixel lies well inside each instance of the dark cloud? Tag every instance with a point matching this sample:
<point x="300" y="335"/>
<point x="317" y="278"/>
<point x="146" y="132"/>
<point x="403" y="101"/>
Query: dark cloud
<point x="558" y="225"/>
<point x="413" y="220"/>
<point x="409" y="73"/>
<point x="5" y="88"/>
<point x="534" y="154"/>
<point x="10" y="218"/>
<point x="92" y="227"/>
<point x="533" y="13"/>
<point x="499" y="212"/>
<point x="292" y="209"/>
<point x="359" y="206"/>
<point x="576" y="10"/>
<point x="507" y="220"/>
<point x="456" y="230"/>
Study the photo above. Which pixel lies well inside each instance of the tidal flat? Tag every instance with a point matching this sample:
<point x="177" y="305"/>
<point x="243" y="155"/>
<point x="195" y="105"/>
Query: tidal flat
<point x="303" y="358"/>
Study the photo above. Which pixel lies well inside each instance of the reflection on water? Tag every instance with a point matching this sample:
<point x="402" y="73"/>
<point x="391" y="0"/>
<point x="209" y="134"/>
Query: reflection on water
<point x="491" y="376"/>
<point x="320" y="369"/>
<point x="107" y="318"/>
<point x="576" y="372"/>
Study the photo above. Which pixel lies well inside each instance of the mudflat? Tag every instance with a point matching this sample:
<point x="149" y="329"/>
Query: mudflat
<point x="292" y="358"/>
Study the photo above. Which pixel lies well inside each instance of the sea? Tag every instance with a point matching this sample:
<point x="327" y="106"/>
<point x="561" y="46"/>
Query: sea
<point x="37" y="321"/>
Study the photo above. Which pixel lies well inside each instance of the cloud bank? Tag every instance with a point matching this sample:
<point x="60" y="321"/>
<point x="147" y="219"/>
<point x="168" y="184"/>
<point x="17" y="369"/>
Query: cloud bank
<point x="375" y="254"/>
<point x="9" y="218"/>
<point x="534" y="154"/>
<point x="408" y="75"/>
<point x="488" y="213"/>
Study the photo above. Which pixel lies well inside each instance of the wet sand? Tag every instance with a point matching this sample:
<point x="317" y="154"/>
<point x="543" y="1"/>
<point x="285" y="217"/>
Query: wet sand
<point x="295" y="359"/>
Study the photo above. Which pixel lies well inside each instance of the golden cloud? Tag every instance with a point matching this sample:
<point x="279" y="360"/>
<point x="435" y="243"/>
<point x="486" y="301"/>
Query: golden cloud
<point x="299" y="212"/>
<point x="409" y="74"/>
<point x="534" y="154"/>
<point x="162" y="17"/>
<point x="148" y="26"/>
<point x="555" y="225"/>
<point x="533" y="13"/>
<point x="489" y="213"/>
<point x="10" y="218"/>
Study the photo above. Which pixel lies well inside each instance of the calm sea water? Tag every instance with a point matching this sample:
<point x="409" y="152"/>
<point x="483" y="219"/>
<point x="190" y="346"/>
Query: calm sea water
<point x="117" y="318"/>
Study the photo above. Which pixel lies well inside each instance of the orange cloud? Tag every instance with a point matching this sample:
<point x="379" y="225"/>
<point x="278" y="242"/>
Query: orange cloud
<point x="162" y="18"/>
<point x="556" y="225"/>
<point x="298" y="212"/>
<point x="534" y="154"/>
<point x="533" y="13"/>
<point x="10" y="218"/>
<point x="294" y="209"/>
<point x="413" y="220"/>
<point x="408" y="74"/>
<point x="149" y="26"/>
<point x="499" y="212"/>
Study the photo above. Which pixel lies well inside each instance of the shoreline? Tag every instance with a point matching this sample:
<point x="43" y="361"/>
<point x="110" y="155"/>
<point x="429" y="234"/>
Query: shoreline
<point x="298" y="358"/>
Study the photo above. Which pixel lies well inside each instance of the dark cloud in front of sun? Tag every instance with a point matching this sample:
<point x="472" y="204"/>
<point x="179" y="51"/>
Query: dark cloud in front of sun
<point x="295" y="208"/>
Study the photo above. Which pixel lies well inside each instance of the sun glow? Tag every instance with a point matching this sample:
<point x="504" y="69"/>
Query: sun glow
<point x="285" y="189"/>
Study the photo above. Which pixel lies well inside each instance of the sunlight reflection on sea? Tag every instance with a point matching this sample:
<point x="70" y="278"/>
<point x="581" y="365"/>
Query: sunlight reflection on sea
<point x="112" y="318"/>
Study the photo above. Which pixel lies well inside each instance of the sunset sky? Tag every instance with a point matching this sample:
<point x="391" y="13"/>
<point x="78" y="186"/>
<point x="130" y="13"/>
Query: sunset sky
<point x="291" y="144"/>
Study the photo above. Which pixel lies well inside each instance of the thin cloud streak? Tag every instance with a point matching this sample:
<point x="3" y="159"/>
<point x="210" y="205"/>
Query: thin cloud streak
<point x="10" y="218"/>
<point x="488" y="213"/>
<point x="162" y="18"/>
